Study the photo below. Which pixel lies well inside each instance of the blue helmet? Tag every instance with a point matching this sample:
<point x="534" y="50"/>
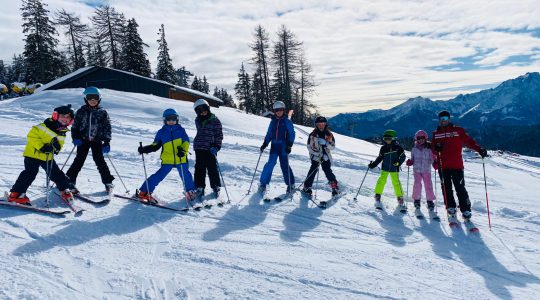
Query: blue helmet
<point x="169" y="112"/>
<point x="91" y="90"/>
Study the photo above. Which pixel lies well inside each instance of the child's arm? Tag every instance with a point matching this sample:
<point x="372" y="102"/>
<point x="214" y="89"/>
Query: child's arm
<point x="378" y="160"/>
<point x="35" y="138"/>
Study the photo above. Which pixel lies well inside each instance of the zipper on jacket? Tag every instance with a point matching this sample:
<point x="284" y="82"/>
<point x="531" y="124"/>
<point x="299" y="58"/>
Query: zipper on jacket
<point x="277" y="128"/>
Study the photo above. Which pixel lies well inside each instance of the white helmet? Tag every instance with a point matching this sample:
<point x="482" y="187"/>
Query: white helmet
<point x="278" y="105"/>
<point x="199" y="103"/>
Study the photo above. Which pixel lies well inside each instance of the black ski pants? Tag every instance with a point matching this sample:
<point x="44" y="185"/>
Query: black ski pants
<point x="204" y="160"/>
<point x="455" y="176"/>
<point x="97" y="154"/>
<point x="326" y="166"/>
<point x="31" y="168"/>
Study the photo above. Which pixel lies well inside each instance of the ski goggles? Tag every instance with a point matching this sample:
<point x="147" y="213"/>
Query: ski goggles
<point x="444" y="118"/>
<point x="92" y="97"/>
<point x="388" y="138"/>
<point x="171" y="118"/>
<point x="279" y="109"/>
<point x="420" y="138"/>
<point x="200" y="109"/>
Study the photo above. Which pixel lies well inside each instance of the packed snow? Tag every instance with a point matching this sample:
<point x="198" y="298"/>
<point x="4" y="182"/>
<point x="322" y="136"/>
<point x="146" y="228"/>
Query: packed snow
<point x="250" y="249"/>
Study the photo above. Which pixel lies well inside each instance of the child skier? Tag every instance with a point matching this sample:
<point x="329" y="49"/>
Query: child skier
<point x="91" y="130"/>
<point x="392" y="156"/>
<point x="422" y="159"/>
<point x="44" y="141"/>
<point x="206" y="144"/>
<point x="320" y="144"/>
<point x="281" y="134"/>
<point x="174" y="144"/>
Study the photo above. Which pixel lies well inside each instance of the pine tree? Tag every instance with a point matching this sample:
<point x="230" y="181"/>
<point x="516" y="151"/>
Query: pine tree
<point x="165" y="70"/>
<point x="196" y="84"/>
<point x="225" y="97"/>
<point x="17" y="70"/>
<point x="76" y="32"/>
<point x="3" y="72"/>
<point x="205" y="86"/>
<point x="260" y="48"/>
<point x="100" y="57"/>
<point x="242" y="91"/>
<point x="306" y="88"/>
<point x="40" y="51"/>
<point x="132" y="57"/>
<point x="286" y="55"/>
<point x="183" y="76"/>
<point x="109" y="26"/>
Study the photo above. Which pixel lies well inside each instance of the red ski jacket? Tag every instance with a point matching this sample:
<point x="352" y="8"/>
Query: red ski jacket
<point x="452" y="139"/>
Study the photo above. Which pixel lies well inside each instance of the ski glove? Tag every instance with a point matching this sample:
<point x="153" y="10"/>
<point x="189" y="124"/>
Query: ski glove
<point x="106" y="148"/>
<point x="263" y="146"/>
<point x="322" y="142"/>
<point x="181" y="152"/>
<point x="483" y="152"/>
<point x="288" y="149"/>
<point x="143" y="149"/>
<point x="214" y="151"/>
<point x="371" y="165"/>
<point x="435" y="165"/>
<point x="77" y="142"/>
<point x="438" y="147"/>
<point x="409" y="162"/>
<point x="46" y="149"/>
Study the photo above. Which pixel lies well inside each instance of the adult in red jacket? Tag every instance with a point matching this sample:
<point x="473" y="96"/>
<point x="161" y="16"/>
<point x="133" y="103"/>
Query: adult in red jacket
<point x="447" y="144"/>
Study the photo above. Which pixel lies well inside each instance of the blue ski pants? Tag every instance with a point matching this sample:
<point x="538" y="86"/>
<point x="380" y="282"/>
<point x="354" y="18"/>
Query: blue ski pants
<point x="156" y="178"/>
<point x="276" y="151"/>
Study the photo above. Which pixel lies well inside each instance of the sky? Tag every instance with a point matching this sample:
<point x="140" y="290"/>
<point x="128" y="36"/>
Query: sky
<point x="364" y="54"/>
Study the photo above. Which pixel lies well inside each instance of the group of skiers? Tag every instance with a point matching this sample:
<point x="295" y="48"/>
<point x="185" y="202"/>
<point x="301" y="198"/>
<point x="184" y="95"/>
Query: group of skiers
<point x="91" y="130"/>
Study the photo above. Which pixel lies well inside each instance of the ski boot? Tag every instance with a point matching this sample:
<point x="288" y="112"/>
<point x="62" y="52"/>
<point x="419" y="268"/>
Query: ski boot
<point x="378" y="203"/>
<point x="146" y="197"/>
<point x="215" y="191"/>
<point x="199" y="192"/>
<point x="466" y="215"/>
<point x="335" y="188"/>
<point x="401" y="204"/>
<point x="417" y="204"/>
<point x="451" y="212"/>
<point x="67" y="195"/>
<point x="19" y="198"/>
<point x="431" y="205"/>
<point x="109" y="187"/>
<point x="74" y="189"/>
<point x="290" y="189"/>
<point x="307" y="191"/>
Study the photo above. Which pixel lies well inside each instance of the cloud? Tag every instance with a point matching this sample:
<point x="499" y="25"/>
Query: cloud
<point x="365" y="54"/>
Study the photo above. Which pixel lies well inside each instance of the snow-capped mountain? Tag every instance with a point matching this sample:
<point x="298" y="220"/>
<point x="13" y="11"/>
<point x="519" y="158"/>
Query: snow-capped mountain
<point x="513" y="103"/>
<point x="250" y="249"/>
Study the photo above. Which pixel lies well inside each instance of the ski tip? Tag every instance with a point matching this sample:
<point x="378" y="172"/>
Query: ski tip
<point x="79" y="213"/>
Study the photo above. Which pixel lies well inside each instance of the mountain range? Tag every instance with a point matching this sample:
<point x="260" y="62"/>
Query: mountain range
<point x="502" y="118"/>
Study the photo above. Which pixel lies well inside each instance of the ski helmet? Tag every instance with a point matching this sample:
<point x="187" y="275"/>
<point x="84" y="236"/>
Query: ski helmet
<point x="63" y="110"/>
<point x="444" y="113"/>
<point x="421" y="133"/>
<point x="170" y="114"/>
<point x="201" y="102"/>
<point x="389" y="133"/>
<point x="278" y="105"/>
<point x="91" y="90"/>
<point x="320" y="119"/>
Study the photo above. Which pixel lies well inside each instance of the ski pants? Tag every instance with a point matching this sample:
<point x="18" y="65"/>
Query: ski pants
<point x="456" y="176"/>
<point x="381" y="182"/>
<point x="204" y="160"/>
<point x="417" y="186"/>
<point x="276" y="151"/>
<point x="156" y="178"/>
<point x="313" y="172"/>
<point x="97" y="155"/>
<point x="31" y="168"/>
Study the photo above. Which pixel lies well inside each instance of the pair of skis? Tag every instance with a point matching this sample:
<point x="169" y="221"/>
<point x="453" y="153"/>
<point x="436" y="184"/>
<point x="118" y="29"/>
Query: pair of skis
<point x="455" y="224"/>
<point x="160" y="205"/>
<point x="417" y="212"/>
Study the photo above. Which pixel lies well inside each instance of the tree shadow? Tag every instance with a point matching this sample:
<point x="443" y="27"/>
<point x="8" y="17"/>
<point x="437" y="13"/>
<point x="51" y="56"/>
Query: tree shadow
<point x="476" y="255"/>
<point x="301" y="219"/>
<point x="127" y="220"/>
<point x="396" y="231"/>
<point x="252" y="214"/>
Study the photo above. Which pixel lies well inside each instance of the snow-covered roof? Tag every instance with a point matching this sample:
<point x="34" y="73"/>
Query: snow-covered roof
<point x="81" y="70"/>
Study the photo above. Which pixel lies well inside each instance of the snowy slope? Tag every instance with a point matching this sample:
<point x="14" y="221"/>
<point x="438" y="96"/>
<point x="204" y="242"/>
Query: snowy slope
<point x="252" y="250"/>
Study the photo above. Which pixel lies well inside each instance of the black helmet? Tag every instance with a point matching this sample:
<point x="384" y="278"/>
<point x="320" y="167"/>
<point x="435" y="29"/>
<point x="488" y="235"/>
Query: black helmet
<point x="64" y="110"/>
<point x="320" y="119"/>
<point x="444" y="113"/>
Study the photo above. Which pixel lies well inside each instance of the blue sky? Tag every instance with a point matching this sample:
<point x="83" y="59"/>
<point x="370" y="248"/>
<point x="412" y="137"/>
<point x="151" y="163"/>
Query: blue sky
<point x="364" y="54"/>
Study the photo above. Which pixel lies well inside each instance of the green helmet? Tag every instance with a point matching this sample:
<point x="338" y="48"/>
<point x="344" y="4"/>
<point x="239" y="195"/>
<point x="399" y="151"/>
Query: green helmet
<point x="390" y="133"/>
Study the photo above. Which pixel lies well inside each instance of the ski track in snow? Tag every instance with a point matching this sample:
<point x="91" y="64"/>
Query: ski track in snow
<point x="250" y="249"/>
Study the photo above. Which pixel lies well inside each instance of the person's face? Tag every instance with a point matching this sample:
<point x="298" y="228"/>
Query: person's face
<point x="201" y="110"/>
<point x="321" y="126"/>
<point x="420" y="140"/>
<point x="387" y="140"/>
<point x="92" y="100"/>
<point x="444" y="120"/>
<point x="64" y="119"/>
<point x="279" y="112"/>
<point x="171" y="120"/>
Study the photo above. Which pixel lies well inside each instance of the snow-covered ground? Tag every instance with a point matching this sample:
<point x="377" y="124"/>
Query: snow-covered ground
<point x="250" y="249"/>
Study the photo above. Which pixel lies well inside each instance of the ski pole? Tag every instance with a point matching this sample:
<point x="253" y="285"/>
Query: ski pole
<point x="67" y="159"/>
<point x="115" y="170"/>
<point x="48" y="171"/>
<point x="289" y="172"/>
<point x="309" y="175"/>
<point x="408" y="170"/>
<point x="443" y="183"/>
<point x="316" y="185"/>
<point x="222" y="180"/>
<point x="255" y="172"/>
<point x="361" y="184"/>
<point x="485" y="186"/>
<point x="146" y="175"/>
<point x="435" y="191"/>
